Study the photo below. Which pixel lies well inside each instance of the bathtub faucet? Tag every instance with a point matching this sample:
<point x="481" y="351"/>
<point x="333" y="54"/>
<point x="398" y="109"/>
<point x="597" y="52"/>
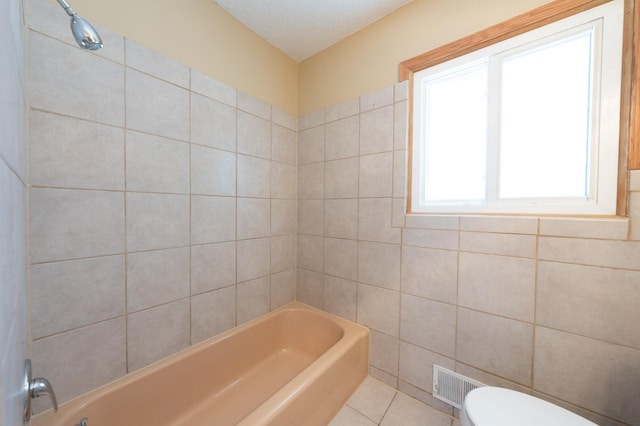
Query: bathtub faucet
<point x="34" y="388"/>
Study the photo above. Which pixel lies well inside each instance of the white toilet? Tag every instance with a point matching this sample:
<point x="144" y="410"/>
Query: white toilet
<point x="491" y="406"/>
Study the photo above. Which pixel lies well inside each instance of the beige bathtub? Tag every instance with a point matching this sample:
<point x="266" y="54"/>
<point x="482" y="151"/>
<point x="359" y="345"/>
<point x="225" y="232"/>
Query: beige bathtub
<point x="294" y="366"/>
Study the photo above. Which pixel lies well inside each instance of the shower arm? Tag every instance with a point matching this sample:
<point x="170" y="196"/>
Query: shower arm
<point x="67" y="8"/>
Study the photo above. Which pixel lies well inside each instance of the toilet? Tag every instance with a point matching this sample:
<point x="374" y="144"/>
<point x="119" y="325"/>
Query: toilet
<point x="492" y="406"/>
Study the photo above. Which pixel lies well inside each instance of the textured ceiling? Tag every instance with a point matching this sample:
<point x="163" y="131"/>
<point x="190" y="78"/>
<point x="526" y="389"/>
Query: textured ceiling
<point x="302" y="28"/>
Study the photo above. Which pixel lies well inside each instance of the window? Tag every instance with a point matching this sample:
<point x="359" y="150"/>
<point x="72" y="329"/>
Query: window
<point x="526" y="125"/>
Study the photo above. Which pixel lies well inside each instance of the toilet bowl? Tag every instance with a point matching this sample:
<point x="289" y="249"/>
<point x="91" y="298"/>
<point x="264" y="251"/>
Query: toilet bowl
<point x="492" y="406"/>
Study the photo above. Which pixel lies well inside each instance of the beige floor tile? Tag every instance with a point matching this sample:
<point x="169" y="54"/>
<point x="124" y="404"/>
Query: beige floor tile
<point x="347" y="416"/>
<point x="372" y="398"/>
<point x="407" y="411"/>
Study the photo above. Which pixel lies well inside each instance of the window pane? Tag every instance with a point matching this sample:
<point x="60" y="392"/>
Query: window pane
<point x="455" y="132"/>
<point x="545" y="126"/>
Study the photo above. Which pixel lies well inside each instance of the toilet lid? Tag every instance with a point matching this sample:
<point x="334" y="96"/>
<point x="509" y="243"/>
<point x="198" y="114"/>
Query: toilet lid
<point x="491" y="406"/>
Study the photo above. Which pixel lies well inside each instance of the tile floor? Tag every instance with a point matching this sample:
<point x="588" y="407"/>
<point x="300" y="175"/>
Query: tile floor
<point x="376" y="403"/>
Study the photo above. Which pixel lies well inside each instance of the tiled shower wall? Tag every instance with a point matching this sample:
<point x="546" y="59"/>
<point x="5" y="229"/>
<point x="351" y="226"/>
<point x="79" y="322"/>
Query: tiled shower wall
<point x="162" y="206"/>
<point x="13" y="252"/>
<point x="546" y="306"/>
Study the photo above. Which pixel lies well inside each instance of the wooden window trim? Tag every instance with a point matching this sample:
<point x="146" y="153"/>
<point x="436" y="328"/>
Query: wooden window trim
<point x="630" y="97"/>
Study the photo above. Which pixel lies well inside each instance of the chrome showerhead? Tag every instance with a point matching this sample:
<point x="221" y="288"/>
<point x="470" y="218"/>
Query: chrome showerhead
<point x="86" y="36"/>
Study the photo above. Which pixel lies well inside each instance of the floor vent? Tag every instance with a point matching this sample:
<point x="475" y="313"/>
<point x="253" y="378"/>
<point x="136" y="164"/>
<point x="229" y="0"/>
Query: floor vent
<point x="452" y="387"/>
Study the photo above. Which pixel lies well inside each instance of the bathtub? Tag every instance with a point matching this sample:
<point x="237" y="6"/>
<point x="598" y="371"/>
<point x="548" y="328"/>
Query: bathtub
<point x="294" y="366"/>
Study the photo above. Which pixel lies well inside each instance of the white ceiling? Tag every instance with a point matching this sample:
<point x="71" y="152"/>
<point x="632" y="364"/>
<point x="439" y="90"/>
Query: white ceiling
<point x="302" y="28"/>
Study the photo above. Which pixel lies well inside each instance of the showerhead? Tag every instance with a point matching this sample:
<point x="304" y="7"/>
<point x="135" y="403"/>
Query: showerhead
<point x="86" y="36"/>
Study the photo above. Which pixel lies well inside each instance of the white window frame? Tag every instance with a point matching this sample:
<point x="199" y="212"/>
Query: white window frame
<point x="605" y="127"/>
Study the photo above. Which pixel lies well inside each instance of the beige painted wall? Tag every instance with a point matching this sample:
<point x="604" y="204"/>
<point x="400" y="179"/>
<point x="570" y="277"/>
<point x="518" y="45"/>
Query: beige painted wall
<point x="201" y="35"/>
<point x="368" y="60"/>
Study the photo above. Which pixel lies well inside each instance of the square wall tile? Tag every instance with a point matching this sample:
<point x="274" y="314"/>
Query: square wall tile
<point x="341" y="218"/>
<point x="284" y="119"/>
<point x="283" y="217"/>
<point x="254" y="106"/>
<point x="157" y="277"/>
<point x="310" y="288"/>
<point x="213" y="266"/>
<point x="374" y="221"/>
<point x="311" y="145"/>
<point x="310" y="120"/>
<point x="503" y="244"/>
<point x="157" y="107"/>
<point x="284" y="145"/>
<point x="156" y="164"/>
<point x="606" y="253"/>
<point x="73" y="294"/>
<point x="212" y="88"/>
<point x="254" y="135"/>
<point x="253" y="218"/>
<point x="213" y="171"/>
<point x="253" y="259"/>
<point x="416" y="365"/>
<point x="342" y="110"/>
<point x="379" y="309"/>
<point x="429" y="273"/>
<point x="156" y="333"/>
<point x="342" y="138"/>
<point x="379" y="264"/>
<point x="67" y="224"/>
<point x="340" y="258"/>
<point x="70" y="153"/>
<point x="376" y="175"/>
<point x="283" y="288"/>
<point x="310" y="217"/>
<point x="340" y="297"/>
<point x="283" y="181"/>
<point x="497" y="345"/>
<point x="401" y="121"/>
<point x="213" y="123"/>
<point x="213" y="219"/>
<point x="383" y="352"/>
<point x="341" y="178"/>
<point x="311" y="181"/>
<point x="253" y="299"/>
<point x="151" y="62"/>
<point x="428" y="324"/>
<point x="254" y="177"/>
<point x="311" y="252"/>
<point x="376" y="131"/>
<point x="504" y="224"/>
<point x="430" y="238"/>
<point x="156" y="221"/>
<point x="498" y="285"/>
<point x="283" y="253"/>
<point x="376" y="99"/>
<point x="212" y="313"/>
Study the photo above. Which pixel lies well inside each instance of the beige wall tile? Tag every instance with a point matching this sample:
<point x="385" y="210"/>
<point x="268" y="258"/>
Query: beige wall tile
<point x="613" y="229"/>
<point x="212" y="313"/>
<point x="311" y="181"/>
<point x="156" y="164"/>
<point x="383" y="376"/>
<point x="342" y="138"/>
<point x="494" y="344"/>
<point x="283" y="181"/>
<point x="489" y="379"/>
<point x="634" y="180"/>
<point x="283" y="288"/>
<point x="340" y="297"/>
<point x="400" y="117"/>
<point x="311" y="145"/>
<point x="428" y="324"/>
<point x="213" y="123"/>
<point x="401" y="91"/>
<point x="311" y="217"/>
<point x="213" y="219"/>
<point x="312" y="119"/>
<point x="426" y="397"/>
<point x="430" y="273"/>
<point x="341" y="258"/>
<point x="341" y="218"/>
<point x="383" y="352"/>
<point x="588" y="373"/>
<point x="213" y="266"/>
<point x="156" y="107"/>
<point x="341" y="178"/>
<point x="253" y="259"/>
<point x="376" y="99"/>
<point x="66" y="224"/>
<point x="379" y="264"/>
<point x="70" y="153"/>
<point x="254" y="106"/>
<point x="100" y="344"/>
<point x="157" y="277"/>
<point x="376" y="175"/>
<point x="156" y="221"/>
<point x="502" y="224"/>
<point x="430" y="238"/>
<point x="254" y="218"/>
<point x="253" y="299"/>
<point x="416" y="365"/>
<point x="283" y="217"/>
<point x="284" y="145"/>
<point x="399" y="174"/>
<point x="156" y="333"/>
<point x="213" y="172"/>
<point x="212" y="88"/>
<point x="73" y="294"/>
<point x="284" y="119"/>
<point x="593" y="302"/>
<point x="634" y="215"/>
<point x="151" y="62"/>
<point x="607" y="253"/>
<point x="253" y="135"/>
<point x="376" y="131"/>
<point x="311" y="252"/>
<point x="56" y="87"/>
<point x="379" y="309"/>
<point x="310" y="288"/>
<point x="398" y="212"/>
<point x="503" y="244"/>
<point x="254" y="177"/>
<point x="433" y="222"/>
<point x="498" y="285"/>
<point x="342" y="110"/>
<point x="374" y="221"/>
